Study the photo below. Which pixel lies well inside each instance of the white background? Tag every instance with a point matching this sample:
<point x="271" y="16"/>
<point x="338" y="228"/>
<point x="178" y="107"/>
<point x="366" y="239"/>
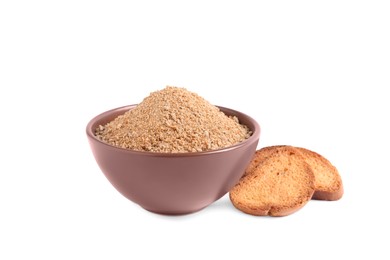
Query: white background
<point x="313" y="74"/>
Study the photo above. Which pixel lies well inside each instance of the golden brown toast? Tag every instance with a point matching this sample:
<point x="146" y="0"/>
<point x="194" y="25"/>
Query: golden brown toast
<point x="258" y="157"/>
<point x="281" y="184"/>
<point x="328" y="182"/>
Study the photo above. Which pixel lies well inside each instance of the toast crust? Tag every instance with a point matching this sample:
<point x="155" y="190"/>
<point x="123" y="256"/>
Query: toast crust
<point x="259" y="156"/>
<point x="281" y="184"/>
<point x="330" y="190"/>
<point x="328" y="182"/>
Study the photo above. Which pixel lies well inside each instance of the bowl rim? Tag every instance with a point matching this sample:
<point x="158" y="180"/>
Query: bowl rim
<point x="254" y="136"/>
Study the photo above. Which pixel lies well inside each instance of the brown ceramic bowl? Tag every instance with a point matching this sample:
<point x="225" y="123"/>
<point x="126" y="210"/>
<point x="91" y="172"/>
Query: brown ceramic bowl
<point x="173" y="183"/>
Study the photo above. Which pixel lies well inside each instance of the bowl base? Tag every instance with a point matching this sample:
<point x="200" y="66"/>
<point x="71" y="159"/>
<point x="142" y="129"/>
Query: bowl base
<point x="173" y="213"/>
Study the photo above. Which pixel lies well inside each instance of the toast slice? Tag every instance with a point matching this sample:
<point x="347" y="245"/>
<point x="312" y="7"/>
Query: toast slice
<point x="280" y="185"/>
<point x="259" y="157"/>
<point x="328" y="184"/>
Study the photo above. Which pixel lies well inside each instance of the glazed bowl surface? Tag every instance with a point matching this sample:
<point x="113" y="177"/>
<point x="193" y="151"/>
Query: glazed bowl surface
<point x="172" y="183"/>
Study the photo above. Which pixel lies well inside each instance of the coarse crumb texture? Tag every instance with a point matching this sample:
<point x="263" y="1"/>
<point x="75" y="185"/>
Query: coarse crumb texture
<point x="173" y="120"/>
